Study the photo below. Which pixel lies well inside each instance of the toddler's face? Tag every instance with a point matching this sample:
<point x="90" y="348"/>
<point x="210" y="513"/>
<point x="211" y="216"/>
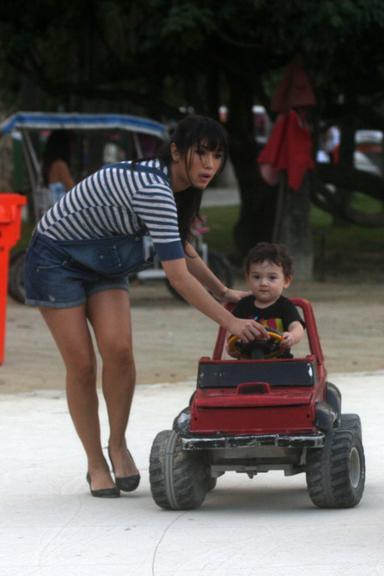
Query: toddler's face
<point x="267" y="281"/>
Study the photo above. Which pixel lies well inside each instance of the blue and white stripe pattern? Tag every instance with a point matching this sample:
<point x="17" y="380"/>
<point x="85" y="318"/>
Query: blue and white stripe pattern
<point x="119" y="199"/>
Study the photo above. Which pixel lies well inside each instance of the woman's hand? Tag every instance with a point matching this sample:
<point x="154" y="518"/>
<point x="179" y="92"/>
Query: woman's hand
<point x="231" y="296"/>
<point x="247" y="329"/>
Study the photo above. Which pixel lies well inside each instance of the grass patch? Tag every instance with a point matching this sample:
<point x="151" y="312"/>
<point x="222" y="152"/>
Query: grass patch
<point x="340" y="249"/>
<point x="26" y="233"/>
<point x="221" y="221"/>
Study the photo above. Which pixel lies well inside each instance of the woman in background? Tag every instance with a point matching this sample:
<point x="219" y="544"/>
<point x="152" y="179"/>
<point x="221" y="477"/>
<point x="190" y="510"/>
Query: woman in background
<point x="56" y="161"/>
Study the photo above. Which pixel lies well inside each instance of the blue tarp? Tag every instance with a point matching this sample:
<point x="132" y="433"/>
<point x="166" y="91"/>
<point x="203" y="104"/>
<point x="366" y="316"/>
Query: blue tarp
<point x="73" y="121"/>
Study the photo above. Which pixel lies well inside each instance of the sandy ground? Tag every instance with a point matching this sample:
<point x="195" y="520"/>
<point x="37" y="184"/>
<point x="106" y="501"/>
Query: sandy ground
<point x="170" y="337"/>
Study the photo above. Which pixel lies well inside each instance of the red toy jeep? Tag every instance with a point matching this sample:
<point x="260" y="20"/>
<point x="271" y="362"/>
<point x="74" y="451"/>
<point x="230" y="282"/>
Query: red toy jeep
<point x="253" y="416"/>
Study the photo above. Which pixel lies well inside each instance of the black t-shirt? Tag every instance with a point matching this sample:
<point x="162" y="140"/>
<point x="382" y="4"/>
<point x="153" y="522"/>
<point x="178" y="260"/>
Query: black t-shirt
<point x="278" y="315"/>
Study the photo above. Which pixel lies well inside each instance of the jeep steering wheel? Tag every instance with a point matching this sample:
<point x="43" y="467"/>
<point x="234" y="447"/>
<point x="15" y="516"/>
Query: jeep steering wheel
<point x="258" y="348"/>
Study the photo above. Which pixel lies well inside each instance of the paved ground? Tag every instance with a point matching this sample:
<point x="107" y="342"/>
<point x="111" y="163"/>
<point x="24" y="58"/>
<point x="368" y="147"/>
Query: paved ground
<point x="49" y="524"/>
<point x="221" y="197"/>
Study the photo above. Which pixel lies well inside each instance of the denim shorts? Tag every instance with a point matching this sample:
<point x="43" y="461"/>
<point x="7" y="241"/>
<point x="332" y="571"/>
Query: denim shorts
<point x="54" y="279"/>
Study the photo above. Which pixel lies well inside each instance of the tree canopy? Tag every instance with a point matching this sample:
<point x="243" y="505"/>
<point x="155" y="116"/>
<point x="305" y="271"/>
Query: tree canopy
<point x="158" y="54"/>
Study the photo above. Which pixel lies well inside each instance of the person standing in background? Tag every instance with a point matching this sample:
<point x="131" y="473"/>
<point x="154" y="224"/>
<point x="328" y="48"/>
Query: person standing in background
<point x="56" y="173"/>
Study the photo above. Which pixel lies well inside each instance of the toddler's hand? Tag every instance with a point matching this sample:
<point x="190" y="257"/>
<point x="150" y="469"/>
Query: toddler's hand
<point x="287" y="341"/>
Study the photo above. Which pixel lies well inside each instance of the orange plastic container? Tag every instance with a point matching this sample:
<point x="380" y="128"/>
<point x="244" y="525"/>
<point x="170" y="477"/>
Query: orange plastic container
<point x="10" y="224"/>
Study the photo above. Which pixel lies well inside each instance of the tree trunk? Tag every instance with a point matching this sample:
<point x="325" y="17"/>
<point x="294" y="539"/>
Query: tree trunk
<point x="295" y="229"/>
<point x="258" y="200"/>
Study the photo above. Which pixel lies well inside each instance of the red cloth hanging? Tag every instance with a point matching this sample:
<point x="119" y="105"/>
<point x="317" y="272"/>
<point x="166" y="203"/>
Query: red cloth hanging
<point x="294" y="90"/>
<point x="288" y="149"/>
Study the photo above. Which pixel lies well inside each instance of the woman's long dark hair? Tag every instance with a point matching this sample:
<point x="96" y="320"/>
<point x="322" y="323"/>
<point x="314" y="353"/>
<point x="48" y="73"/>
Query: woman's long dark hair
<point x="194" y="130"/>
<point x="57" y="147"/>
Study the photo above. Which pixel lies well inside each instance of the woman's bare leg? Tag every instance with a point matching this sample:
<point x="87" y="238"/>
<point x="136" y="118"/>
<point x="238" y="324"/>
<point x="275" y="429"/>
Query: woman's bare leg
<point x="110" y="314"/>
<point x="71" y="333"/>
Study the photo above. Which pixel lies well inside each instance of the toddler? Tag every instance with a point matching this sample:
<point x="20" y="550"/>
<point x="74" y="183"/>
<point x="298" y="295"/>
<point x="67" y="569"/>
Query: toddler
<point x="268" y="269"/>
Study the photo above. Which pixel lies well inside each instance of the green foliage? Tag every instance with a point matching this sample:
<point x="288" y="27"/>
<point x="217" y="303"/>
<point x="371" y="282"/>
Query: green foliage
<point x="26" y="234"/>
<point x="221" y="220"/>
<point x="116" y="49"/>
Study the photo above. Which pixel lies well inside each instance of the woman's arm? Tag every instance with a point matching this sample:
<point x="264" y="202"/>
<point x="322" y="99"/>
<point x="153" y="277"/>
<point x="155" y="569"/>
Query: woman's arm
<point x="192" y="291"/>
<point x="199" y="269"/>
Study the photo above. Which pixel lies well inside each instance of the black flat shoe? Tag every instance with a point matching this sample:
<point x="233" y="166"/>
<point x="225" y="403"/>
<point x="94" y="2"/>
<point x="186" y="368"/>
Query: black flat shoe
<point x="128" y="483"/>
<point x="103" y="492"/>
<point x="125" y="483"/>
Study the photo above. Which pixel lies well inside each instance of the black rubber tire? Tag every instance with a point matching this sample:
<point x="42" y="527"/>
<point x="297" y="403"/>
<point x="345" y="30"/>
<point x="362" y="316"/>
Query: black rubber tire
<point x="351" y="422"/>
<point x="16" y="288"/>
<point x="336" y="473"/>
<point x="219" y="266"/>
<point x="211" y="485"/>
<point x="333" y="398"/>
<point x="178" y="478"/>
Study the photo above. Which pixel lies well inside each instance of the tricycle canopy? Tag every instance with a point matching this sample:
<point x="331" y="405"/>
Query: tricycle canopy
<point x="78" y="121"/>
<point x="138" y="137"/>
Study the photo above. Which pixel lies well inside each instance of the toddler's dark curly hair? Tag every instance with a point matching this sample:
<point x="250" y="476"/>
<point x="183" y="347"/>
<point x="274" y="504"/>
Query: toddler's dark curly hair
<point x="270" y="252"/>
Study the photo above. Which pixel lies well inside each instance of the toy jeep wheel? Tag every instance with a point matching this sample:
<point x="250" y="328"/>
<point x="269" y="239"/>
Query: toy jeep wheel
<point x="16" y="288"/>
<point x="178" y="478"/>
<point x="351" y="422"/>
<point x="211" y="483"/>
<point x="336" y="472"/>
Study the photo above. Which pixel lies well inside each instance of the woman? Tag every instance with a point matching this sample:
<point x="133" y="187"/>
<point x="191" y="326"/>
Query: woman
<point x="55" y="168"/>
<point x="76" y="273"/>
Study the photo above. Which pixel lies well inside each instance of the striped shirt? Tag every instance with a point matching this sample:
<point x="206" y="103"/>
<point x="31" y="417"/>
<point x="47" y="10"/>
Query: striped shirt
<point x="119" y="199"/>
